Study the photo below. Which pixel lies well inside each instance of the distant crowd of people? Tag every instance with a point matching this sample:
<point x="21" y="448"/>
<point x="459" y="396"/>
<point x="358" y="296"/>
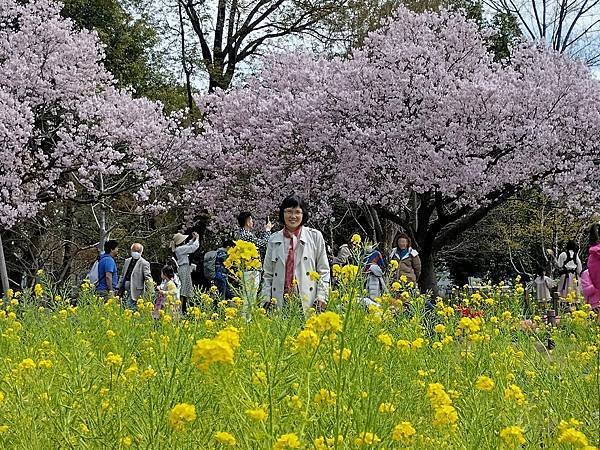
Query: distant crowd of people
<point x="296" y="261"/>
<point x="573" y="279"/>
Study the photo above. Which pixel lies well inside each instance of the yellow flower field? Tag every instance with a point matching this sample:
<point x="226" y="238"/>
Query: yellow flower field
<point x="98" y="376"/>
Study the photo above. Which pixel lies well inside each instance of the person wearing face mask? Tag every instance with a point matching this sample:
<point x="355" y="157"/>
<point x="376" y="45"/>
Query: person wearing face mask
<point x="296" y="267"/>
<point x="136" y="271"/>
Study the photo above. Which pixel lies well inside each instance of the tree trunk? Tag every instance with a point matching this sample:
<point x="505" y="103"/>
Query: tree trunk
<point x="103" y="230"/>
<point x="68" y="247"/>
<point x="3" y="270"/>
<point x="428" y="279"/>
<point x="185" y="63"/>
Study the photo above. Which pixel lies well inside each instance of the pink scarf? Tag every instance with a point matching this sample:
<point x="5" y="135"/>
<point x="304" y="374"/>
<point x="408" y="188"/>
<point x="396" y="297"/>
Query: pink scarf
<point x="290" y="262"/>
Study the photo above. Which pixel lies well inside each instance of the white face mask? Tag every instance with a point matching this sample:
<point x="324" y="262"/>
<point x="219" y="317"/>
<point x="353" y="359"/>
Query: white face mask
<point x="136" y="255"/>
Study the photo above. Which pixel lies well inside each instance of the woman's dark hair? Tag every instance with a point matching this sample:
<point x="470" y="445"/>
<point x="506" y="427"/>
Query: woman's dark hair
<point x="594" y="234"/>
<point x="243" y="217"/>
<point x="110" y="245"/>
<point x="168" y="272"/>
<point x="571" y="245"/>
<point x="293" y="201"/>
<point x="404" y="236"/>
<point x="540" y="270"/>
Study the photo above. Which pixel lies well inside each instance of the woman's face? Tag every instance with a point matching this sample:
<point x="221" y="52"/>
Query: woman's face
<point x="403" y="243"/>
<point x="250" y="222"/>
<point x="292" y="218"/>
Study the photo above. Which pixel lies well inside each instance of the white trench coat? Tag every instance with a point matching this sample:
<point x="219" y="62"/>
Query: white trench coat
<point x="310" y="256"/>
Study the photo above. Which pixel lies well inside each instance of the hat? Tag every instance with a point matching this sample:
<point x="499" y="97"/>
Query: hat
<point x="178" y="238"/>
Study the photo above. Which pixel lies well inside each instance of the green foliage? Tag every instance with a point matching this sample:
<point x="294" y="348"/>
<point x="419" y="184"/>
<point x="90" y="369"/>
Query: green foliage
<point x="131" y="49"/>
<point x="513" y="239"/>
<point x="98" y="376"/>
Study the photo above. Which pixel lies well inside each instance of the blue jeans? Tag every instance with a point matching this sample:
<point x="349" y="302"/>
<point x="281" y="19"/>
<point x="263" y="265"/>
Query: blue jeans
<point x="223" y="287"/>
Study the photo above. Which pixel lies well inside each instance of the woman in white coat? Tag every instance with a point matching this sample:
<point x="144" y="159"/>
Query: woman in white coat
<point x="294" y="256"/>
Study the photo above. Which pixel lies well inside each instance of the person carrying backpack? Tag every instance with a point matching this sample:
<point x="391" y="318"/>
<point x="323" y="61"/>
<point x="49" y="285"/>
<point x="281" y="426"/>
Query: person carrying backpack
<point x="569" y="266"/>
<point x="215" y="270"/>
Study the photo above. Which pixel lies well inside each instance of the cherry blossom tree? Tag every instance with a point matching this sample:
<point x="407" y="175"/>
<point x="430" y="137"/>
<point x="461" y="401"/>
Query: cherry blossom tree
<point x="67" y="132"/>
<point x="420" y="126"/>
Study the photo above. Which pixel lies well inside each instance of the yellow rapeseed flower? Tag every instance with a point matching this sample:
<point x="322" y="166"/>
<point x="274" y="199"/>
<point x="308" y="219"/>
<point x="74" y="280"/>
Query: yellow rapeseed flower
<point x="314" y="276"/>
<point x="45" y="364"/>
<point x="148" y="373"/>
<point x="225" y="438"/>
<point x="437" y="395"/>
<point x="404" y="432"/>
<point x="244" y="256"/>
<point x="323" y="443"/>
<point x="327" y="322"/>
<point x="27" y="364"/>
<point x="325" y="397"/>
<point x="484" y="383"/>
<point x="514" y="392"/>
<point x="512" y="437"/>
<point x="341" y="355"/>
<point x="573" y="437"/>
<point x="210" y="351"/>
<point x="356" y="239"/>
<point x="258" y="413"/>
<point x="445" y="415"/>
<point x="348" y="273"/>
<point x="367" y="438"/>
<point x="113" y="359"/>
<point x="403" y="344"/>
<point x="417" y="343"/>
<point x="287" y="441"/>
<point x="181" y="415"/>
<point x="38" y="290"/>
<point x="231" y="336"/>
<point x="293" y="401"/>
<point x="385" y="339"/>
<point x="387" y="408"/>
<point x="259" y="378"/>
<point x="307" y="340"/>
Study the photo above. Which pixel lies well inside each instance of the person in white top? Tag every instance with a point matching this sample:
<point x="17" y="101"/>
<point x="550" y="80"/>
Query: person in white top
<point x="569" y="266"/>
<point x="296" y="261"/>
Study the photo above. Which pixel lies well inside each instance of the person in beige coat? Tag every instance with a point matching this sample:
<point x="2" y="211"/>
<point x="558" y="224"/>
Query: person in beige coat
<point x="296" y="261"/>
<point x="409" y="262"/>
<point x="136" y="271"/>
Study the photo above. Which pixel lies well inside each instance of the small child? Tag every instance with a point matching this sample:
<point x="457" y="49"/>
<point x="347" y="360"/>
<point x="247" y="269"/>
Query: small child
<point x="166" y="291"/>
<point x="543" y="286"/>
